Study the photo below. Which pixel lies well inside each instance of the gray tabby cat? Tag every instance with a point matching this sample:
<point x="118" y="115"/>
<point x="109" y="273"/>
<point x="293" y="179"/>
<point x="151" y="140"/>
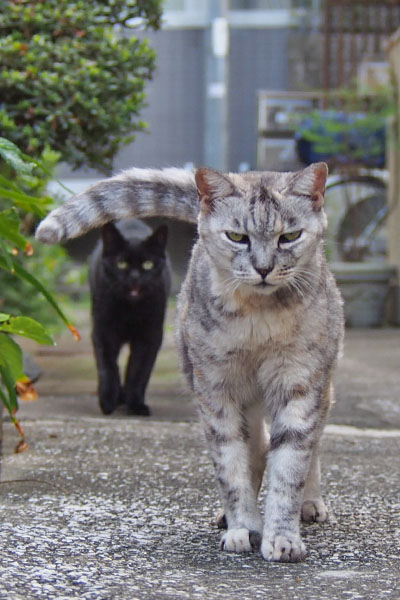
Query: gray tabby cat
<point x="259" y="328"/>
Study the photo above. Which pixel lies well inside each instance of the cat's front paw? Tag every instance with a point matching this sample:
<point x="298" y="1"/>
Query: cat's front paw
<point x="108" y="403"/>
<point x="314" y="511"/>
<point x="240" y="540"/>
<point x="282" y="547"/>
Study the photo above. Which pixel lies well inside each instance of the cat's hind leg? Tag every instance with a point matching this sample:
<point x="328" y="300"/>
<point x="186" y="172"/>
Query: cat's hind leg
<point x="106" y="352"/>
<point x="140" y="365"/>
<point x="314" y="508"/>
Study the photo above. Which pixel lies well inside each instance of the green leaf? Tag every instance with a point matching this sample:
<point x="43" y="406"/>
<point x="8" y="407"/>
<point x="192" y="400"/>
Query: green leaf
<point x="50" y="174"/>
<point x="11" y="357"/>
<point x="26" y="202"/>
<point x="9" y="228"/>
<point x="6" y="256"/>
<point x="8" y="183"/>
<point x="23" y="274"/>
<point x="10" y="406"/>
<point x="28" y="328"/>
<point x="11" y="402"/>
<point x="4" y="317"/>
<point x="12" y="155"/>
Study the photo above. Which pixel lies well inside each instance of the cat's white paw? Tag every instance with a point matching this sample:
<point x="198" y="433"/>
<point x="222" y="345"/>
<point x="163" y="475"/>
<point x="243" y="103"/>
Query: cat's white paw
<point x="314" y="511"/>
<point x="282" y="547"/>
<point x="240" y="540"/>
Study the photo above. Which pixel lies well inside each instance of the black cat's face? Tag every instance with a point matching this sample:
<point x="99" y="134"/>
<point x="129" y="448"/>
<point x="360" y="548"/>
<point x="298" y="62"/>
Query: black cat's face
<point x="134" y="268"/>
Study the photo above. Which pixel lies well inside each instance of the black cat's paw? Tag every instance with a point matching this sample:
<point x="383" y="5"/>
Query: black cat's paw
<point x="106" y="406"/>
<point x="110" y="397"/>
<point x="141" y="410"/>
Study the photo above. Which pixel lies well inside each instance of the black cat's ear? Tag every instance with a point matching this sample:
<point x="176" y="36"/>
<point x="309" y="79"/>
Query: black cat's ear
<point x="113" y="241"/>
<point x="311" y="181"/>
<point x="212" y="185"/>
<point x="159" y="237"/>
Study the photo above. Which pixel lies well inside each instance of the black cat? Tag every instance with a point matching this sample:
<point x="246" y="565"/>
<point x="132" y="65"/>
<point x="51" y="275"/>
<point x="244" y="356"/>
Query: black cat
<point x="129" y="283"/>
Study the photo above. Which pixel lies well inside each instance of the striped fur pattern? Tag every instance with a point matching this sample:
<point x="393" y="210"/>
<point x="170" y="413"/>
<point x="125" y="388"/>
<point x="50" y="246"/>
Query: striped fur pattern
<point x="168" y="192"/>
<point x="259" y="329"/>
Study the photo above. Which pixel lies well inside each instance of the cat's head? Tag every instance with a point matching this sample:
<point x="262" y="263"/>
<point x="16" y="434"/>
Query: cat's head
<point x="134" y="267"/>
<point x="262" y="229"/>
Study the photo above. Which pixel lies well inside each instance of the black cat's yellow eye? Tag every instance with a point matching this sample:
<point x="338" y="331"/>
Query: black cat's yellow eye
<point x="239" y="238"/>
<point x="285" y="238"/>
<point x="122" y="264"/>
<point x="148" y="265"/>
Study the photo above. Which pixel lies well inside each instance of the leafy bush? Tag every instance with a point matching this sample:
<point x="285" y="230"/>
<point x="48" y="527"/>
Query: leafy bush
<point x="52" y="265"/>
<point x="17" y="204"/>
<point x="49" y="263"/>
<point x="351" y="130"/>
<point x="337" y="136"/>
<point x="72" y="75"/>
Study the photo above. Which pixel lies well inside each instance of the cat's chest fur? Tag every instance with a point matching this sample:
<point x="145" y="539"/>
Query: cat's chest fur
<point x="243" y="341"/>
<point x="228" y="323"/>
<point x="257" y="326"/>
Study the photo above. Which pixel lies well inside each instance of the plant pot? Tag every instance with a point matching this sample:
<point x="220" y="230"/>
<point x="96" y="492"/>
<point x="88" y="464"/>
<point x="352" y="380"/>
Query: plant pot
<point x="365" y="289"/>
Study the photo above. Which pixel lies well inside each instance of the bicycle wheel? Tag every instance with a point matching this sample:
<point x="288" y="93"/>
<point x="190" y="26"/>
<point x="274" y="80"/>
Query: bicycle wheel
<point x="357" y="207"/>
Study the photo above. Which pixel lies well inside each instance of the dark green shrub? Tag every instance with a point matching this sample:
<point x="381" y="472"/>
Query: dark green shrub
<point x="72" y="76"/>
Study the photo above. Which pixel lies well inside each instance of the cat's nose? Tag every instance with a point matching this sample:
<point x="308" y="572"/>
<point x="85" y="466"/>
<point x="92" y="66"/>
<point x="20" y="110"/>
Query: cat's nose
<point x="133" y="275"/>
<point x="264" y="271"/>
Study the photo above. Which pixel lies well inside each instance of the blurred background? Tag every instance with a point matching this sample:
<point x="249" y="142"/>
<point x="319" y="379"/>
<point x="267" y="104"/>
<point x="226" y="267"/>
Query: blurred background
<point x="233" y="84"/>
<point x="89" y="89"/>
<point x="275" y="85"/>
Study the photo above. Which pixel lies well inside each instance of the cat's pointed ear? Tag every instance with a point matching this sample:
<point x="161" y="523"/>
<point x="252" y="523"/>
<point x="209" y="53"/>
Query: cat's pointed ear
<point x="211" y="185"/>
<point x="159" y="237"/>
<point x="113" y="241"/>
<point x="311" y="182"/>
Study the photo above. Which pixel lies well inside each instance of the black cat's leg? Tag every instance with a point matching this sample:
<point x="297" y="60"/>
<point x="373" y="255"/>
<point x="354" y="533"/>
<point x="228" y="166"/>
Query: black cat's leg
<point x="140" y="365"/>
<point x="109" y="385"/>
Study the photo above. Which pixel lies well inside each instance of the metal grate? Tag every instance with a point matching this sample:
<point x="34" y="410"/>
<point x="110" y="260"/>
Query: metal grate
<point x="354" y="29"/>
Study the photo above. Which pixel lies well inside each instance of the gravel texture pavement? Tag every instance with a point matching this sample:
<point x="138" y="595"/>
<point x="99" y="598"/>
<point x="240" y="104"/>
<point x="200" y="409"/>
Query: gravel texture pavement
<point x="123" y="508"/>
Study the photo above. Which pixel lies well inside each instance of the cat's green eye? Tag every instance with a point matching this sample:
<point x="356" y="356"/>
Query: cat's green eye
<point x="285" y="238"/>
<point x="148" y="265"/>
<point x="122" y="264"/>
<point x="239" y="238"/>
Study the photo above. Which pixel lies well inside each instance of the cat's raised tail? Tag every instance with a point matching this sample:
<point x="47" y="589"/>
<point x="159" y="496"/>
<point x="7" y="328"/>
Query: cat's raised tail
<point x="133" y="193"/>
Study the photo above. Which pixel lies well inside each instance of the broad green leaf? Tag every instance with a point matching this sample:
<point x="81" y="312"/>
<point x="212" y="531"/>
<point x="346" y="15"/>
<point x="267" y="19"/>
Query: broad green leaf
<point x="11" y="357"/>
<point x="28" y="328"/>
<point x="28" y="203"/>
<point x="4" y="317"/>
<point x="23" y="274"/>
<point x="10" y="406"/>
<point x="12" y="155"/>
<point x="8" y="380"/>
<point x="9" y="228"/>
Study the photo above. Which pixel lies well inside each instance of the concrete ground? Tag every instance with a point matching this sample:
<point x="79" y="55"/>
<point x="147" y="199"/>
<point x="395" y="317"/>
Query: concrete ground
<point x="123" y="508"/>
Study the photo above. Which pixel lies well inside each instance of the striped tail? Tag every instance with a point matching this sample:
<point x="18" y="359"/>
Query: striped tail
<point x="132" y="193"/>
